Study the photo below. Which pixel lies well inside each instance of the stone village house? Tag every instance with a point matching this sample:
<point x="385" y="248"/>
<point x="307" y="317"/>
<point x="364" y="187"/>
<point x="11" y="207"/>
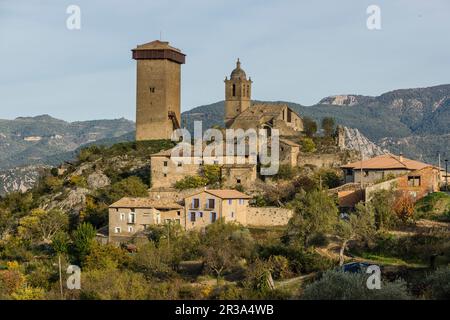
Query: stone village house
<point x="405" y="176"/>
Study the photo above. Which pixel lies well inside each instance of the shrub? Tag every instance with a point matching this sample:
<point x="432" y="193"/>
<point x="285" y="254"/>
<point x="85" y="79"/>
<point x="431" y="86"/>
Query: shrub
<point x="113" y="285"/>
<point x="285" y="172"/>
<point x="212" y="173"/>
<point x="78" y="181"/>
<point x="439" y="282"/>
<point x="129" y="187"/>
<point x="329" y="178"/>
<point x="190" y="182"/>
<point x="404" y="207"/>
<point x="103" y="257"/>
<point x="280" y="267"/>
<point x="307" y="145"/>
<point x="338" y="285"/>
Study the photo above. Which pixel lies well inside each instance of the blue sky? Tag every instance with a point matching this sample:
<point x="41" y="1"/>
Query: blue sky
<point x="299" y="51"/>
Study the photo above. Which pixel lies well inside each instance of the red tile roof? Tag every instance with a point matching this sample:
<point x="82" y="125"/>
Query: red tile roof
<point x="387" y="161"/>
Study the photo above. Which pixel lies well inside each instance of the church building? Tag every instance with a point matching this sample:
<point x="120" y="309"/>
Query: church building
<point x="241" y="114"/>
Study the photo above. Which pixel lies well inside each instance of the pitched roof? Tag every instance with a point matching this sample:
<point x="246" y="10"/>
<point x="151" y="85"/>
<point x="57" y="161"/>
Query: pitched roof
<point x="387" y="161"/>
<point x="261" y="112"/>
<point x="156" y="45"/>
<point x="289" y="142"/>
<point x="145" y="203"/>
<point x="225" y="194"/>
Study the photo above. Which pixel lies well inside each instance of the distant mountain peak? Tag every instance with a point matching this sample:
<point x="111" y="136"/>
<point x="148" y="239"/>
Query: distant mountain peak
<point x="42" y="117"/>
<point x="340" y="100"/>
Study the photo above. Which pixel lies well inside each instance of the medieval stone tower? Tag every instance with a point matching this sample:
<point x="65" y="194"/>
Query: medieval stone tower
<point x="157" y="90"/>
<point x="237" y="94"/>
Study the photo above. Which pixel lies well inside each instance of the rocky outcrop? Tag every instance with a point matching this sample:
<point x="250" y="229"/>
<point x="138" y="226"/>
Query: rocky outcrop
<point x="19" y="179"/>
<point x="74" y="201"/>
<point x="98" y="180"/>
<point x="340" y="100"/>
<point x="355" y="140"/>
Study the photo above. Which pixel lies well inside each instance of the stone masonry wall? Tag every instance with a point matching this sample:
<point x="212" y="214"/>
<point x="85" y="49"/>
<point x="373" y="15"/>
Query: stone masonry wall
<point x="268" y="216"/>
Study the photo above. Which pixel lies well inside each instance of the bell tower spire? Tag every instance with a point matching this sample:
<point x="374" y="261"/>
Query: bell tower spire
<point x="237" y="94"/>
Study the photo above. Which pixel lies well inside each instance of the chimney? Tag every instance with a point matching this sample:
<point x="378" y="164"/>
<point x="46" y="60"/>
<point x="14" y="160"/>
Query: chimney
<point x="400" y="157"/>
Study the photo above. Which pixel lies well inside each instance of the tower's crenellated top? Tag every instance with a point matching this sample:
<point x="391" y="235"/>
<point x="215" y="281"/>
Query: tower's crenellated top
<point x="158" y="50"/>
<point x="238" y="73"/>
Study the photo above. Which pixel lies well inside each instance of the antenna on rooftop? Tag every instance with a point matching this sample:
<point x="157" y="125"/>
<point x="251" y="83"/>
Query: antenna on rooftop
<point x="160" y="35"/>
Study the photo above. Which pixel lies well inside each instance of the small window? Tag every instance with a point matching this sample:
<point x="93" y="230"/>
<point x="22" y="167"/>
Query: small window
<point x="211" y="203"/>
<point x="122" y="216"/>
<point x="213" y="217"/>
<point x="166" y="163"/>
<point x="152" y="89"/>
<point x="180" y="164"/>
<point x="241" y="201"/>
<point x="195" y="203"/>
<point x="192" y="216"/>
<point x="232" y="214"/>
<point x="230" y="202"/>
<point x="414" y="181"/>
<point x="234" y="90"/>
<point x="178" y="213"/>
<point x="132" y="217"/>
<point x="200" y="214"/>
<point x="238" y="180"/>
<point x="130" y="229"/>
<point x="165" y="175"/>
<point x="117" y="230"/>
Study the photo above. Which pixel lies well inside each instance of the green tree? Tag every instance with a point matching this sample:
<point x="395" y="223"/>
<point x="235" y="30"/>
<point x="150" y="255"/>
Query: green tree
<point x="328" y="178"/>
<point x="328" y="126"/>
<point x="83" y="240"/>
<point x="360" y="225"/>
<point x="129" y="187"/>
<point x="190" y="182"/>
<point x="382" y="203"/>
<point x="7" y="223"/>
<point x="42" y="225"/>
<point x="223" y="244"/>
<point x="309" y="126"/>
<point x="258" y="277"/>
<point x="103" y="257"/>
<point x="212" y="173"/>
<point x="314" y="213"/>
<point x="152" y="261"/>
<point x="307" y="145"/>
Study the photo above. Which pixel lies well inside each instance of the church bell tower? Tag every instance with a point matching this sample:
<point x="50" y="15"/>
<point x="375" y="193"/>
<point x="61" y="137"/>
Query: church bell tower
<point x="237" y="94"/>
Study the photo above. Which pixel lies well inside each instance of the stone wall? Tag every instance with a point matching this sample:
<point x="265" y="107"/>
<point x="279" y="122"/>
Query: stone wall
<point x="268" y="216"/>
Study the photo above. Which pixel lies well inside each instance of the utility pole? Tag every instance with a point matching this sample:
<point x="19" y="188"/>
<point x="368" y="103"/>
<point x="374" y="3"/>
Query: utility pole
<point x="439" y="166"/>
<point x="60" y="277"/>
<point x="446" y="174"/>
<point x="361" y="169"/>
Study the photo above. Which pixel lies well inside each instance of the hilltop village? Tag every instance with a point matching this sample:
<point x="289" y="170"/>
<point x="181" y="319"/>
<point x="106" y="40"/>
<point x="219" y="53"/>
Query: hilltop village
<point x="228" y="198"/>
<point x="146" y="219"/>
